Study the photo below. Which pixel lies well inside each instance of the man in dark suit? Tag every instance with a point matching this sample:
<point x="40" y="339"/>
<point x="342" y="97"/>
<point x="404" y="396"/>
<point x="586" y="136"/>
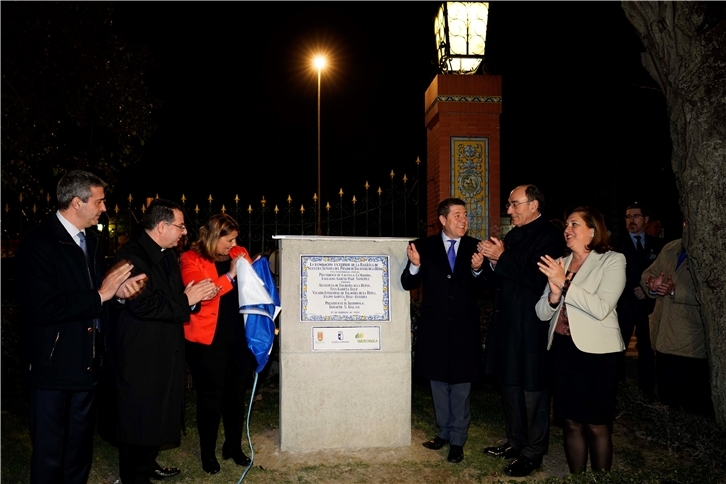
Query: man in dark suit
<point x="146" y="345"/>
<point x="516" y="346"/>
<point x="62" y="292"/>
<point x="448" y="339"/>
<point x="640" y="250"/>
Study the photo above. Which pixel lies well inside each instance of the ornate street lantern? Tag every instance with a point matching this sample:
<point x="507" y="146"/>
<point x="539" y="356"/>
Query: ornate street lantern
<point x="461" y="30"/>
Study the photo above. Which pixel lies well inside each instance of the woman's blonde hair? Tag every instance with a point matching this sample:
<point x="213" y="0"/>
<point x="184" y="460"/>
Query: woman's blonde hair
<point x="217" y="226"/>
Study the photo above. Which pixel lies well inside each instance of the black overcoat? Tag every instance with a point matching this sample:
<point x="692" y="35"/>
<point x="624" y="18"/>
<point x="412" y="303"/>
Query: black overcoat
<point x="448" y="336"/>
<point x="58" y="304"/>
<point x="147" y="349"/>
<point x="516" y="347"/>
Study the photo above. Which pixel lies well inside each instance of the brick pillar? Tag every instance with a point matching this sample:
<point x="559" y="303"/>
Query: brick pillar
<point x="462" y="137"/>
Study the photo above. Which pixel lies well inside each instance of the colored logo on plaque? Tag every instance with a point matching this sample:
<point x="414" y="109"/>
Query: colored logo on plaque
<point x="340" y="336"/>
<point x="320" y="336"/>
<point x="359" y="335"/>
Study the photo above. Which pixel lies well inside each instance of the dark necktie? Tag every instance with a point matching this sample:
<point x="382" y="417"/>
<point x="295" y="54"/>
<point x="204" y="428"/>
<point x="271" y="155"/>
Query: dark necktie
<point x="82" y="238"/>
<point x="451" y="254"/>
<point x="638" y="245"/>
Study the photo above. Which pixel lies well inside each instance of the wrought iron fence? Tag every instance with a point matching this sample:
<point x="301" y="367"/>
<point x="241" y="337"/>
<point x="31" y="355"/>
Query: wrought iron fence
<point x="396" y="210"/>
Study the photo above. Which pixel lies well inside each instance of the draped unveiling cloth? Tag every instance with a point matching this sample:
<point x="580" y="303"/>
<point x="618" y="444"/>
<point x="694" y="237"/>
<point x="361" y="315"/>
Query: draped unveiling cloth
<point x="260" y="304"/>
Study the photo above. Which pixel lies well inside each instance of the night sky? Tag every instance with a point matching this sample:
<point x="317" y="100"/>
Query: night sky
<point x="581" y="117"/>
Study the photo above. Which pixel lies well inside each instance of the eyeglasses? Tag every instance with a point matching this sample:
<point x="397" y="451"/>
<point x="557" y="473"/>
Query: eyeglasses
<point x="181" y="227"/>
<point x="517" y="204"/>
<point x="633" y="217"/>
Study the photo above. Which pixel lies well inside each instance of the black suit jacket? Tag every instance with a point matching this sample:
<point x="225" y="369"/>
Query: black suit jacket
<point x="516" y="346"/>
<point x="448" y="334"/>
<point x="58" y="304"/>
<point x="631" y="310"/>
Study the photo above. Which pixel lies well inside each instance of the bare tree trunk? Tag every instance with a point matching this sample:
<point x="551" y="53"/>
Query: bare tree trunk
<point x="686" y="55"/>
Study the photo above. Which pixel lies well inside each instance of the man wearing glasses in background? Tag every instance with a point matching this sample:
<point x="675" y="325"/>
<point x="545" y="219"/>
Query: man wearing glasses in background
<point x="146" y="348"/>
<point x="516" y="346"/>
<point x="640" y="250"/>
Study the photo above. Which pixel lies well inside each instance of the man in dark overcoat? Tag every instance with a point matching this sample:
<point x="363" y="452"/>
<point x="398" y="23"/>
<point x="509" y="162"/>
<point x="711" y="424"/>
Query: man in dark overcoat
<point x="634" y="307"/>
<point x="63" y="293"/>
<point x="516" y="346"/>
<point x="147" y="344"/>
<point x="448" y="338"/>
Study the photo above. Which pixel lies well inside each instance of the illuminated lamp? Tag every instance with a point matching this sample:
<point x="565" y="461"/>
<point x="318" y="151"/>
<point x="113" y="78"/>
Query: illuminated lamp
<point x="461" y="30"/>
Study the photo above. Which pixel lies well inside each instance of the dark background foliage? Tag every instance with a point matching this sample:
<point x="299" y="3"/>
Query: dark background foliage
<point x="73" y="94"/>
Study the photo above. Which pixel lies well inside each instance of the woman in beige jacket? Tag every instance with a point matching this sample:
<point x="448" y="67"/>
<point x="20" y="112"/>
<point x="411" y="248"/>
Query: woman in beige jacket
<point x="584" y="337"/>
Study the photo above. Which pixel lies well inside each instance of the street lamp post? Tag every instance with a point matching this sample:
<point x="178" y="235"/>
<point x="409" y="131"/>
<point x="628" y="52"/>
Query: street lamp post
<point x="319" y="63"/>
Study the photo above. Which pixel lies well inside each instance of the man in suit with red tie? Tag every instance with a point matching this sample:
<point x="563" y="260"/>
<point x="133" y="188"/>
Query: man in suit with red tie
<point x="448" y="338"/>
<point x="640" y="250"/>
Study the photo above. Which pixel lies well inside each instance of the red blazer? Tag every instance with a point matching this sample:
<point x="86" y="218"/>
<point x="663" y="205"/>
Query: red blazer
<point x="201" y="327"/>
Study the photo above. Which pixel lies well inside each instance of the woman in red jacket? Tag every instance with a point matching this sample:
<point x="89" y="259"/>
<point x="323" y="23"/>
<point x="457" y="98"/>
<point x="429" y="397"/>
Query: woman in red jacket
<point x="217" y="352"/>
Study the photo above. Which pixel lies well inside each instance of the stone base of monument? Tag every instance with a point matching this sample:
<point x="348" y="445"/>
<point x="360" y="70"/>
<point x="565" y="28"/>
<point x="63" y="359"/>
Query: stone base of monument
<point x="345" y="344"/>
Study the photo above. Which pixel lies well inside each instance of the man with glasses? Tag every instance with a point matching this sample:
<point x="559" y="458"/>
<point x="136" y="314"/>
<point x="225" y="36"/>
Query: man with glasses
<point x="516" y="346"/>
<point x="640" y="250"/>
<point x="147" y="344"/>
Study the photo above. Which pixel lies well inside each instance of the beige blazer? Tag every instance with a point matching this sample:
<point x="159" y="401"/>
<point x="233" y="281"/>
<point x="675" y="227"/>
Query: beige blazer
<point x="676" y="326"/>
<point x="591" y="301"/>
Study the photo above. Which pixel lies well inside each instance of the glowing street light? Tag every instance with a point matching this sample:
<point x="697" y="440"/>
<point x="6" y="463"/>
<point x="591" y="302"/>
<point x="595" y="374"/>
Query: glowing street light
<point x="319" y="63"/>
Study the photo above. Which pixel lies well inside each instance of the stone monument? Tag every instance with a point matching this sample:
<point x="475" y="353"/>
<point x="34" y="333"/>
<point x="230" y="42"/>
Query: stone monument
<point x="345" y="343"/>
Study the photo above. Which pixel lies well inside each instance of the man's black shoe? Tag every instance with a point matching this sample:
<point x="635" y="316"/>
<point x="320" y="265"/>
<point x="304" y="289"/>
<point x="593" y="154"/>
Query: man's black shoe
<point x="239" y="457"/>
<point x="522" y="466"/>
<point x="210" y="464"/>
<point x="456" y="454"/>
<point x="160" y="473"/>
<point x="505" y="451"/>
<point x="436" y="443"/>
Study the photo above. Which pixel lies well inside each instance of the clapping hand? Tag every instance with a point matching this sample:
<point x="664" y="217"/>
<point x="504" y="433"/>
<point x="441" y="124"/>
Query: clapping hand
<point x="555" y="272"/>
<point x="492" y="249"/>
<point x="118" y="283"/>
<point x="413" y="254"/>
<point x="204" y="290"/>
<point x="477" y="260"/>
<point x="658" y="285"/>
<point x="132" y="287"/>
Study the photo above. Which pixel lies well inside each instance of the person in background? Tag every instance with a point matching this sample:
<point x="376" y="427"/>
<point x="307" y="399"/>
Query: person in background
<point x="654" y="228"/>
<point x="677" y="332"/>
<point x="219" y="358"/>
<point x="640" y="250"/>
<point x="584" y="337"/>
